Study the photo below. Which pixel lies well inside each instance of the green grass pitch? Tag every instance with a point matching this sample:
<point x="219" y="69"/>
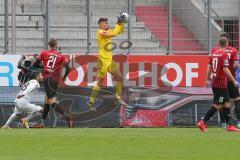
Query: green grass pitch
<point x="119" y="144"/>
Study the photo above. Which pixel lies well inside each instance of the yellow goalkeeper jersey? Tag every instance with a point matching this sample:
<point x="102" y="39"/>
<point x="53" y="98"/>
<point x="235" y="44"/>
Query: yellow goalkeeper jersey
<point x="104" y="38"/>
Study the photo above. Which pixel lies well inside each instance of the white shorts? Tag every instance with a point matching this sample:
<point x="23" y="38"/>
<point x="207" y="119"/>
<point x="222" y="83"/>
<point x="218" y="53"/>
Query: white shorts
<point x="28" y="108"/>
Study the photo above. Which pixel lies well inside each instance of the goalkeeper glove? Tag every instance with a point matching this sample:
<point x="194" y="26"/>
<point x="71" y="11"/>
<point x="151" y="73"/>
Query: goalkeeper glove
<point x="119" y="20"/>
<point x="124" y="17"/>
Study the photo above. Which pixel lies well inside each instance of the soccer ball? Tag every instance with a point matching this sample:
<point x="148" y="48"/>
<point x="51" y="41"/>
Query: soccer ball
<point x="125" y="17"/>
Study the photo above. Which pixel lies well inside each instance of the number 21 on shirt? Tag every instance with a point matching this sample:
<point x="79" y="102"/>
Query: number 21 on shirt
<point x="51" y="62"/>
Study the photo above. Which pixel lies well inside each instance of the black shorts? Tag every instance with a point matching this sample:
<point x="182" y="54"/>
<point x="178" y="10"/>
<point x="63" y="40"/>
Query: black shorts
<point x="220" y="95"/>
<point x="233" y="91"/>
<point x="51" y="87"/>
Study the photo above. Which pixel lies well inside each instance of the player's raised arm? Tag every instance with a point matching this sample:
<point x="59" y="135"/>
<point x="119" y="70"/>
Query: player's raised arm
<point x="67" y="71"/>
<point x="65" y="64"/>
<point x="38" y="61"/>
<point x="19" y="66"/>
<point x="119" y="28"/>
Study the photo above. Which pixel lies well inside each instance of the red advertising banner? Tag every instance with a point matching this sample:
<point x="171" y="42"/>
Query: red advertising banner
<point x="143" y="70"/>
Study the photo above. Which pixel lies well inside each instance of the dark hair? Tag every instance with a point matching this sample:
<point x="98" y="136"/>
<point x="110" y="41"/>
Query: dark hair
<point x="34" y="72"/>
<point x="223" y="42"/>
<point x="102" y="20"/>
<point x="27" y="63"/>
<point x="225" y="35"/>
<point x="53" y="42"/>
<point x="35" y="55"/>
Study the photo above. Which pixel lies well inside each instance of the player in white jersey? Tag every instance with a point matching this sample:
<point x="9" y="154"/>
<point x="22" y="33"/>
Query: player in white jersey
<point x="22" y="101"/>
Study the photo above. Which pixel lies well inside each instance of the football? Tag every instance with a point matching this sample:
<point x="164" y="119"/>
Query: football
<point x="125" y="17"/>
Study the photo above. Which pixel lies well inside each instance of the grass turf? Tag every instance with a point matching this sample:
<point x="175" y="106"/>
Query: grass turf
<point x="119" y="143"/>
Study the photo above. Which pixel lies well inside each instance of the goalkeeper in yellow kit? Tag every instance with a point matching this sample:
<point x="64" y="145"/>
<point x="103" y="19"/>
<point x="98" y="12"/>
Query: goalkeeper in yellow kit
<point x="105" y="61"/>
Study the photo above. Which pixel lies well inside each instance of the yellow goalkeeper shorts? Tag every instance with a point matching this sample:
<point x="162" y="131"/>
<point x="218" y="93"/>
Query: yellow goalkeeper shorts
<point x="105" y="66"/>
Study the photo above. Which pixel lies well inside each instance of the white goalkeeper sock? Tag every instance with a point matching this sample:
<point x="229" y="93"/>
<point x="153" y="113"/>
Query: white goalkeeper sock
<point x="11" y="119"/>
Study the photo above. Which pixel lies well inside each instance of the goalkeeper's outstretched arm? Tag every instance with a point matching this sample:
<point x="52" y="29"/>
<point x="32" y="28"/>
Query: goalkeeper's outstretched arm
<point x="119" y="28"/>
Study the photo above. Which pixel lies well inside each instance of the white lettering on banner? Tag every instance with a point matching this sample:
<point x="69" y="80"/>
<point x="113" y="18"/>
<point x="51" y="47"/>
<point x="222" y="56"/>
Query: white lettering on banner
<point x="179" y="76"/>
<point x="190" y="74"/>
<point x="91" y="73"/>
<point x="80" y="76"/>
<point x="8" y="70"/>
<point x="141" y="75"/>
<point x="126" y="76"/>
<point x="110" y="81"/>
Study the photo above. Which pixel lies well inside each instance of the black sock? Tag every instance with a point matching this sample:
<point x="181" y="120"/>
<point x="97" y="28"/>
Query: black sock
<point x="237" y="109"/>
<point x="222" y="116"/>
<point x="227" y="115"/>
<point x="59" y="109"/>
<point x="209" y="114"/>
<point x="45" y="112"/>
